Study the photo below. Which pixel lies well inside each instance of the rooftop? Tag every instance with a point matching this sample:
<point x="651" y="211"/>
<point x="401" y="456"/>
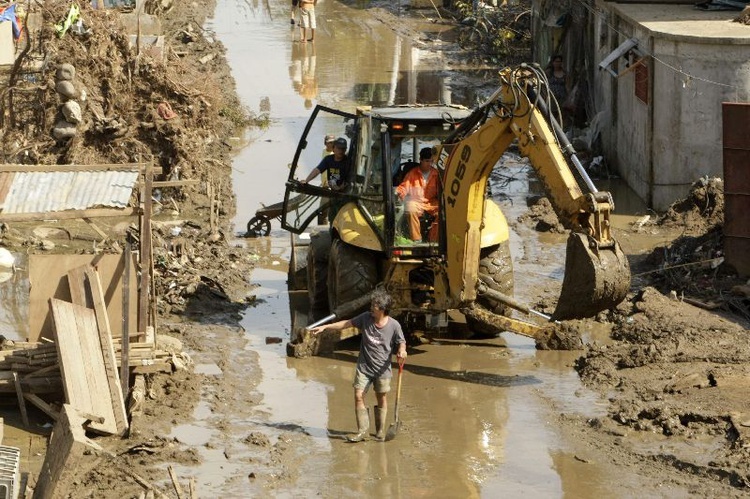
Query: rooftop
<point x="685" y="22"/>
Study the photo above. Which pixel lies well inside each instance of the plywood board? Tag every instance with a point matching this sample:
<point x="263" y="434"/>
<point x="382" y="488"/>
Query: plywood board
<point x="82" y="366"/>
<point x="68" y="448"/>
<point x="48" y="279"/>
<point x="7" y="47"/>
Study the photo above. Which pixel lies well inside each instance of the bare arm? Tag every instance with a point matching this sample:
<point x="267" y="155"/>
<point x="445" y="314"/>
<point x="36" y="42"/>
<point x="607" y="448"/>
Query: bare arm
<point x="335" y="326"/>
<point x="312" y="175"/>
<point x="401" y="354"/>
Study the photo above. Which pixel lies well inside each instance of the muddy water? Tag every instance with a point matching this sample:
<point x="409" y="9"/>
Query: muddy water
<point x="476" y="414"/>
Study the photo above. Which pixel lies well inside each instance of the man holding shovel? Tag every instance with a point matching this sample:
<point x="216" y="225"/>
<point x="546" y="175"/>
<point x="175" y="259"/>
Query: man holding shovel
<point x="381" y="335"/>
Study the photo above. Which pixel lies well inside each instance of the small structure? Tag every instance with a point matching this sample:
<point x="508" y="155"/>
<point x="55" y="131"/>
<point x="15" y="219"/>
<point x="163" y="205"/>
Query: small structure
<point x="657" y="75"/>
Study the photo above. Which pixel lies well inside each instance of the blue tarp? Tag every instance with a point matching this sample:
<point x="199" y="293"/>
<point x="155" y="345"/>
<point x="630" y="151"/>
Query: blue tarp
<point x="9" y="14"/>
<point x="722" y="4"/>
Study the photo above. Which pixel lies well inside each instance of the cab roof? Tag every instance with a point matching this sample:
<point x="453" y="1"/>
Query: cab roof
<point x="435" y="112"/>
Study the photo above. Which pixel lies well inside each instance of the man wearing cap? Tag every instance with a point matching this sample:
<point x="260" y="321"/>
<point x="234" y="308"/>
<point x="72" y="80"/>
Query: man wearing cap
<point x="419" y="191"/>
<point x="338" y="169"/>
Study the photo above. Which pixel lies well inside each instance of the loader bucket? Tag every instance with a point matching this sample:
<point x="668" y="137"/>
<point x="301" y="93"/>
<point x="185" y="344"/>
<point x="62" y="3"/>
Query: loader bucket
<point x="595" y="279"/>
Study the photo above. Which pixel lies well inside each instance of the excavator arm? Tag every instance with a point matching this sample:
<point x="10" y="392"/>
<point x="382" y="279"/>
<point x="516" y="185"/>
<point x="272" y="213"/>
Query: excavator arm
<point x="597" y="275"/>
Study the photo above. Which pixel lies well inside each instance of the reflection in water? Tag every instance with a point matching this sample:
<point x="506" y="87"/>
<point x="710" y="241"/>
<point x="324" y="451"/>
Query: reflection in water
<point x="302" y="72"/>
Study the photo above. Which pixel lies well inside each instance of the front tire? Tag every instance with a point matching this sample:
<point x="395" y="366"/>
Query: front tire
<point x="496" y="263"/>
<point x="317" y="271"/>
<point x="352" y="273"/>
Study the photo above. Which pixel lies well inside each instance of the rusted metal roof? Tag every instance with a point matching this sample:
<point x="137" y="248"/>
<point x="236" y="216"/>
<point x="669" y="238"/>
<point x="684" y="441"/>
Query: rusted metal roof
<point x="41" y="192"/>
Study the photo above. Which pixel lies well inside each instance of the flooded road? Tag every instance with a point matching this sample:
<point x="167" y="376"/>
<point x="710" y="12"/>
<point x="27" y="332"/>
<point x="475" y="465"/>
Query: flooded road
<point x="476" y="414"/>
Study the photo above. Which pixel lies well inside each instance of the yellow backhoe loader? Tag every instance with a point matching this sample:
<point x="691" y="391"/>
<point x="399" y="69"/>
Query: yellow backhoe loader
<point x="463" y="261"/>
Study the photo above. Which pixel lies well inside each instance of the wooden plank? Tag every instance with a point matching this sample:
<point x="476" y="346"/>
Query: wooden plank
<point x="80" y="168"/>
<point x="21" y="401"/>
<point x="145" y="263"/>
<point x="76" y="278"/>
<point x="68" y="448"/>
<point x="48" y="279"/>
<point x="125" y="336"/>
<point x="108" y="350"/>
<point x="41" y="404"/>
<point x="82" y="364"/>
<point x="161" y="367"/>
<point x="9" y="167"/>
<point x="42" y="371"/>
<point x="96" y="228"/>
<point x="174" y="183"/>
<point x="175" y="482"/>
<point x="68" y="214"/>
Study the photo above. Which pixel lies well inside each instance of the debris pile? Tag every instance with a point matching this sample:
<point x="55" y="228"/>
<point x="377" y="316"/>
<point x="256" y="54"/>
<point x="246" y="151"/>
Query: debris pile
<point x="701" y="210"/>
<point x="541" y="216"/>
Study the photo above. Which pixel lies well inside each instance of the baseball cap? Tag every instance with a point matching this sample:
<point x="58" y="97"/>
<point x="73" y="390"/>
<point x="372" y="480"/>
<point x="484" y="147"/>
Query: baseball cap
<point x="425" y="153"/>
<point x="340" y="142"/>
<point x="329" y="138"/>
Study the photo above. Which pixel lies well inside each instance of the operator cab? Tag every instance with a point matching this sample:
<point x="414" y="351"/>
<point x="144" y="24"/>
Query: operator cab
<point x="384" y="147"/>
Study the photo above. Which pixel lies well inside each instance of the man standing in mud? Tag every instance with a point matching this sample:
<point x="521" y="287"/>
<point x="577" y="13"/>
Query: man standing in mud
<point x="381" y="335"/>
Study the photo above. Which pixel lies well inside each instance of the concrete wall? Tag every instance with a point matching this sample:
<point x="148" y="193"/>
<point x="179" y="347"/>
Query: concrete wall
<point x="687" y="112"/>
<point x="662" y="147"/>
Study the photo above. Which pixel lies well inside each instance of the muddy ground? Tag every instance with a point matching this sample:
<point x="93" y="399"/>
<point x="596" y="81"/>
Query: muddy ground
<point x="673" y="376"/>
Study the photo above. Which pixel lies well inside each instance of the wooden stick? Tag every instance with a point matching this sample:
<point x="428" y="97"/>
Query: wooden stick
<point x="145" y="263"/>
<point x="21" y="400"/>
<point x="97" y="229"/>
<point x="68" y="214"/>
<point x="193" y="491"/>
<point x="77" y="168"/>
<point x="125" y="338"/>
<point x="177" y="487"/>
<point x="108" y="351"/>
<point x="41" y="404"/>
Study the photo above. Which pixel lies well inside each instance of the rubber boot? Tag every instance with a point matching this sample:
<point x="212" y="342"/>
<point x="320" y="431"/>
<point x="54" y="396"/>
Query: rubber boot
<point x="363" y="424"/>
<point x="380" y="415"/>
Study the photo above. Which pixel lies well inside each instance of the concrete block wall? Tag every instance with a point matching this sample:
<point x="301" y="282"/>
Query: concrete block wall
<point x="662" y="147"/>
<point x="687" y="111"/>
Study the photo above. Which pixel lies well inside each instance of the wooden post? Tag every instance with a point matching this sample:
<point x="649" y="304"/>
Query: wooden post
<point x="21" y="400"/>
<point x="125" y="353"/>
<point x="145" y="264"/>
<point x="108" y="350"/>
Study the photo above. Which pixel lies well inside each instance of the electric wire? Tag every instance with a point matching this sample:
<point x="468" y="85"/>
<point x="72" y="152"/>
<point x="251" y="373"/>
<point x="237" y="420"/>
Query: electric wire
<point x="602" y="15"/>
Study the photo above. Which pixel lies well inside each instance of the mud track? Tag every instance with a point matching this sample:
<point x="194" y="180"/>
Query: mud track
<point x="674" y="378"/>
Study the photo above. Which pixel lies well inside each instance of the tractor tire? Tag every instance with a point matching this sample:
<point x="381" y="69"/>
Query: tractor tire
<point x="297" y="277"/>
<point x="496" y="263"/>
<point x="317" y="271"/>
<point x="352" y="273"/>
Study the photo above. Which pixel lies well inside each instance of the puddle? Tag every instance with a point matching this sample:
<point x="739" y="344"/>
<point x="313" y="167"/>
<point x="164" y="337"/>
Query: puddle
<point x="14" y="296"/>
<point x="192" y="435"/>
<point x="208" y="369"/>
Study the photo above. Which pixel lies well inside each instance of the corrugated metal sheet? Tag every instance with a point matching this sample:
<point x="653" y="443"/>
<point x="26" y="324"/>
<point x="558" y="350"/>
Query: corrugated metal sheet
<point x="736" y="123"/>
<point x="40" y="192"/>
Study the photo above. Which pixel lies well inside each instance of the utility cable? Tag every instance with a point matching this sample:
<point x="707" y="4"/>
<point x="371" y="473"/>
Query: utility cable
<point x="602" y="15"/>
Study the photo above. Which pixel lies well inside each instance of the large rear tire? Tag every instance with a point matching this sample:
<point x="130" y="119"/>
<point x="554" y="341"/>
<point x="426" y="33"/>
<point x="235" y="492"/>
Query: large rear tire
<point x="317" y="271"/>
<point x="496" y="264"/>
<point x="352" y="273"/>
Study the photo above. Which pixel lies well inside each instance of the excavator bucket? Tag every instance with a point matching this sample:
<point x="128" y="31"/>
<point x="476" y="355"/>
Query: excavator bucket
<point x="595" y="279"/>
